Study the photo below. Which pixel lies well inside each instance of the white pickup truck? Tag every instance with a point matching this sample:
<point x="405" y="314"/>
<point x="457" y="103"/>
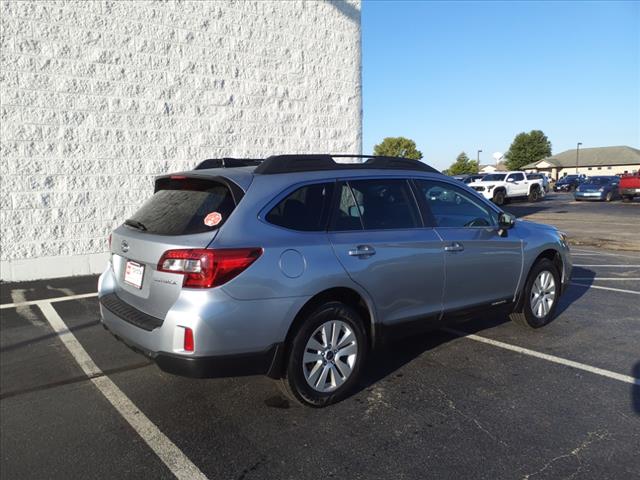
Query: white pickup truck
<point x="502" y="186"/>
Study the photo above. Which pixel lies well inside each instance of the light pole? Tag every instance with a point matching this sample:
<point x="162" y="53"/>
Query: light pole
<point x="478" y="157"/>
<point x="577" y="155"/>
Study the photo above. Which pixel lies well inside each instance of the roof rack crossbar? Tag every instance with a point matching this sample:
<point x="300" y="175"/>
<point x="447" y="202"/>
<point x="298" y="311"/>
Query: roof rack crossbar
<point x="304" y="163"/>
<point x="228" y="162"/>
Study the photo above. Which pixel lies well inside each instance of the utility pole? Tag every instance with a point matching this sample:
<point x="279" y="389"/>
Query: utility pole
<point x="478" y="157"/>
<point x="577" y="155"/>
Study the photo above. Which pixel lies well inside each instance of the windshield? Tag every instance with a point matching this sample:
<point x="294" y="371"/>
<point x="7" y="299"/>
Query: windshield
<point x="494" y="177"/>
<point x="568" y="178"/>
<point x="598" y="180"/>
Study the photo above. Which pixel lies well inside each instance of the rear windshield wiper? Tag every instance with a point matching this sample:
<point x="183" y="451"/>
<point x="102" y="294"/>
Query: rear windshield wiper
<point x="135" y="224"/>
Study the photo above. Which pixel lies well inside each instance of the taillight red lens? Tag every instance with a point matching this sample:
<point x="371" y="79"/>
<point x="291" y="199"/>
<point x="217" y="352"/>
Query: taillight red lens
<point x="206" y="268"/>
<point x="188" y="340"/>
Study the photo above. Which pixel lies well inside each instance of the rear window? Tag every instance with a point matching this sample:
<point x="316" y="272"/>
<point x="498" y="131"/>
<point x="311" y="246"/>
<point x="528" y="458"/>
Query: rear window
<point x="306" y="209"/>
<point x="184" y="207"/>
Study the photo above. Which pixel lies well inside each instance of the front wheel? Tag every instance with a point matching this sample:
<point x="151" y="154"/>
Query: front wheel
<point x="534" y="195"/>
<point x="627" y="198"/>
<point x="326" y="355"/>
<point x="498" y="197"/>
<point x="608" y="197"/>
<point x="539" y="297"/>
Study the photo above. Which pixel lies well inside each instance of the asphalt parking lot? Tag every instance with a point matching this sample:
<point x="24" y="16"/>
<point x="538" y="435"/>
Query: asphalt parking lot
<point x="610" y="225"/>
<point x="482" y="399"/>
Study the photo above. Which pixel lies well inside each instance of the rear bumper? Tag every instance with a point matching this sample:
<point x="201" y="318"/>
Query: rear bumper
<point x="268" y="362"/>
<point x="589" y="195"/>
<point x="630" y="192"/>
<point x="232" y="337"/>
<point x="259" y="363"/>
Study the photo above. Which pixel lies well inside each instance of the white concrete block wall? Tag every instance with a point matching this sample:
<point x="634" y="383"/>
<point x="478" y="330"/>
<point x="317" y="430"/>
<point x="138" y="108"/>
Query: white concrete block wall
<point x="96" y="98"/>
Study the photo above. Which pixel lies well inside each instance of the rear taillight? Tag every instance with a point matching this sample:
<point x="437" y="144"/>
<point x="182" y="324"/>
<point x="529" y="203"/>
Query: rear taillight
<point x="206" y="268"/>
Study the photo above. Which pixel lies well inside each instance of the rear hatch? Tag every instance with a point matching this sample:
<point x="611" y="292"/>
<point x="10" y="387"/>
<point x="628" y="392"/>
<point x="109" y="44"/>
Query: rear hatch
<point x="184" y="213"/>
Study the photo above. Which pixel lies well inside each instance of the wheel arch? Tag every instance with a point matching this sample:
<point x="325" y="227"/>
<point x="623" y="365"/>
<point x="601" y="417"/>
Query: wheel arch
<point x="347" y="295"/>
<point x="551" y="254"/>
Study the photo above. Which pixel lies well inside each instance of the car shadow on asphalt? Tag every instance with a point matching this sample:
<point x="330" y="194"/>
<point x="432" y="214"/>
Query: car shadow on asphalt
<point x="394" y="355"/>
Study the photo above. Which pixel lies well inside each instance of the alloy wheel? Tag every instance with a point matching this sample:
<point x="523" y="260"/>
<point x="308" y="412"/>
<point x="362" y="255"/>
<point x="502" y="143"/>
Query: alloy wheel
<point x="543" y="294"/>
<point x="329" y="356"/>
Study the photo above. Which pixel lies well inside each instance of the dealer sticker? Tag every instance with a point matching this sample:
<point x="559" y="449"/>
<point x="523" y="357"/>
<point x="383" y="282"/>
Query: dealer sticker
<point x="212" y="219"/>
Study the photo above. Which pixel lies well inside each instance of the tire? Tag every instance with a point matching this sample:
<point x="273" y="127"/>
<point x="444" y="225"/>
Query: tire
<point x="608" y="197"/>
<point x="524" y="313"/>
<point x="627" y="198"/>
<point x="534" y="194"/>
<point x="310" y="333"/>
<point x="498" y="197"/>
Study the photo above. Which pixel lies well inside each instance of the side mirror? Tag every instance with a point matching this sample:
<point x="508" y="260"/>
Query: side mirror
<point x="505" y="222"/>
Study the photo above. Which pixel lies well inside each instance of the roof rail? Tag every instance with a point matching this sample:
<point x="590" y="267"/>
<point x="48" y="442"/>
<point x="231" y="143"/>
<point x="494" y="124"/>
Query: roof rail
<point x="305" y="163"/>
<point x="228" y="162"/>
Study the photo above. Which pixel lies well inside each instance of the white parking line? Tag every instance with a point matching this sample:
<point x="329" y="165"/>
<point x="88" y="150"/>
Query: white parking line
<point x="49" y="300"/>
<point x="164" y="448"/>
<point x="609" y="266"/>
<point x="592" y="253"/>
<point x="545" y="356"/>
<point x="621" y="279"/>
<point x="585" y="285"/>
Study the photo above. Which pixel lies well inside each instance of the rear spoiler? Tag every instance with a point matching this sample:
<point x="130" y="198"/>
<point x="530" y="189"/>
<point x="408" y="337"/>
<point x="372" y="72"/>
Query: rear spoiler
<point x="228" y="162"/>
<point x="198" y="181"/>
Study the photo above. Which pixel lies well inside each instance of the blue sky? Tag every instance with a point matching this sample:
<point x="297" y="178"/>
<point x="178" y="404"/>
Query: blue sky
<point x="457" y="76"/>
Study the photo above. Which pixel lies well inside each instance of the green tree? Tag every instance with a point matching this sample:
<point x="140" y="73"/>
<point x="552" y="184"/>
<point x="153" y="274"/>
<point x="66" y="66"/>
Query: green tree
<point x="398" y="147"/>
<point x="527" y="148"/>
<point x="463" y="165"/>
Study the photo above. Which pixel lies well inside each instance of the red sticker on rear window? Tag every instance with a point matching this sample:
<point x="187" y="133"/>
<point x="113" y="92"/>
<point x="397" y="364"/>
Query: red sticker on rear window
<point x="212" y="219"/>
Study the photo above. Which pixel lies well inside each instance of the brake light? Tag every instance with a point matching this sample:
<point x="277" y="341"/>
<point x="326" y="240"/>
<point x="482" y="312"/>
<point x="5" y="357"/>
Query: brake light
<point x="207" y="268"/>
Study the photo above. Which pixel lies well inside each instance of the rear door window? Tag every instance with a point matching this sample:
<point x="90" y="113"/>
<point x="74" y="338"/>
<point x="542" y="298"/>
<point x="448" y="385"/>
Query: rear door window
<point x="183" y="207"/>
<point x="306" y="209"/>
<point x="385" y="204"/>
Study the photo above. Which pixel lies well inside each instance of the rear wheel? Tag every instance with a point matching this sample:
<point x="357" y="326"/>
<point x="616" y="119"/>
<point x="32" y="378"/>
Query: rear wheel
<point x="498" y="197"/>
<point x="539" y="297"/>
<point x="627" y="198"/>
<point x="326" y="355"/>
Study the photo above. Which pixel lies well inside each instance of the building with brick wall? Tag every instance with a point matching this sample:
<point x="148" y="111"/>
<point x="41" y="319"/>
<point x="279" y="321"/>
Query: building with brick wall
<point x="96" y="98"/>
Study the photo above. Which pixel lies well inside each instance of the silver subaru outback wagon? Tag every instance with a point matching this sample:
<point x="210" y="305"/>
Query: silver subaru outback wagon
<point x="298" y="266"/>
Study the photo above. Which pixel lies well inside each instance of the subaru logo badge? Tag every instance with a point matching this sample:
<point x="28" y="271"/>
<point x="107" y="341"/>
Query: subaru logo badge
<point x="124" y="246"/>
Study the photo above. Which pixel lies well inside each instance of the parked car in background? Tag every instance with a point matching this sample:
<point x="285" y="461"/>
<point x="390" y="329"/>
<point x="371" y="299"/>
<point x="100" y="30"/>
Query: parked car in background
<point x="597" y="188"/>
<point x="568" y="183"/>
<point x="540" y="176"/>
<point x="630" y="186"/>
<point x="469" y="178"/>
<point x="298" y="267"/>
<point x="500" y="187"/>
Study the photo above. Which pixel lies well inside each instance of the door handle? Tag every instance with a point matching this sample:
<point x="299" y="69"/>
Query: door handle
<point x="454" y="247"/>
<point x="362" y="251"/>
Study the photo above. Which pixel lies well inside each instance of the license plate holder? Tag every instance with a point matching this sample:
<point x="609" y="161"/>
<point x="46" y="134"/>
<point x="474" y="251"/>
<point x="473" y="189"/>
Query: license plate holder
<point x="133" y="274"/>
